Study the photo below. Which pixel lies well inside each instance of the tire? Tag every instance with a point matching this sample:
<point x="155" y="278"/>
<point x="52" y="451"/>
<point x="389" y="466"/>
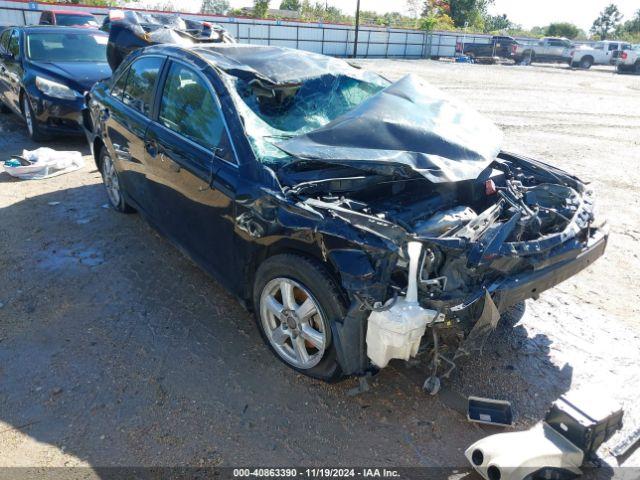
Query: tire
<point x="527" y="58"/>
<point x="33" y="127"/>
<point x="112" y="183"/>
<point x="636" y="68"/>
<point x="586" y="63"/>
<point x="4" y="108"/>
<point x="286" y="333"/>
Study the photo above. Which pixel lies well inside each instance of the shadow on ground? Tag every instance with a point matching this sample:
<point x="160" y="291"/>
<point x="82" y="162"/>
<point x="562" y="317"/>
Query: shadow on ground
<point x="116" y="350"/>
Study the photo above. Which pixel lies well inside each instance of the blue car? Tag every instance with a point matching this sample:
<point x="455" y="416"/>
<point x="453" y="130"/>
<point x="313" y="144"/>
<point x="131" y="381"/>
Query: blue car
<point x="45" y="72"/>
<point x="349" y="213"/>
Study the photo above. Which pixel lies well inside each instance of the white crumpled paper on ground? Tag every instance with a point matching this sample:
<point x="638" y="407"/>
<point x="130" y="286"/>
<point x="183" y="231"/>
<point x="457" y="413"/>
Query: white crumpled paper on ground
<point x="46" y="163"/>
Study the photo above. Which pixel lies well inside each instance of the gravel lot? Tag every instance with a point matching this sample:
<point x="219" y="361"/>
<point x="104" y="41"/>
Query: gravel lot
<point x="116" y="350"/>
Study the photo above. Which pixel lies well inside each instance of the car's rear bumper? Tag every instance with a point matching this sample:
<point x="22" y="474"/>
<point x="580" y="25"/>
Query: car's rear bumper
<point x="530" y="284"/>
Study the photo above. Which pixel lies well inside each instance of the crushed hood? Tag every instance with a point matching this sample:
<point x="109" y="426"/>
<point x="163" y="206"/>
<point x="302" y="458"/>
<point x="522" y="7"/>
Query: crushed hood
<point x="408" y="126"/>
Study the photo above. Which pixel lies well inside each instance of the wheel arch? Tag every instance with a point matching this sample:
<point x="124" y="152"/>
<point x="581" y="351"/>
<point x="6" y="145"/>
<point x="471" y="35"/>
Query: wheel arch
<point x="312" y="251"/>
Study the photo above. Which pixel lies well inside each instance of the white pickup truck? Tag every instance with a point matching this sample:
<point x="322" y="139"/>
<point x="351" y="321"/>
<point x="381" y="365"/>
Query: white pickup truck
<point x="628" y="60"/>
<point x="600" y="53"/>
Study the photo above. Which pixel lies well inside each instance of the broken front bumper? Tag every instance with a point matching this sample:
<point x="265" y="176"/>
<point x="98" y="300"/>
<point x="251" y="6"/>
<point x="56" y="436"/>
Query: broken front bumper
<point x="575" y="257"/>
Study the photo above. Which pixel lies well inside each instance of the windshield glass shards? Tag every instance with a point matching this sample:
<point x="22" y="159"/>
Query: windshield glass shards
<point x="272" y="114"/>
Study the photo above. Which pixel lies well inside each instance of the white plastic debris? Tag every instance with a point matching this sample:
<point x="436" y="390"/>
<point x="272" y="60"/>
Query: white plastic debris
<point x="45" y="163"/>
<point x="518" y="455"/>
<point x="396" y="332"/>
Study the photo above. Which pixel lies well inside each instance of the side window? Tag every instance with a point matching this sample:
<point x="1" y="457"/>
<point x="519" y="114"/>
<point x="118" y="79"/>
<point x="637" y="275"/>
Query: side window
<point x="138" y="91"/>
<point x="599" y="46"/>
<point x="45" y="18"/>
<point x="4" y="41"/>
<point x="118" y="87"/>
<point x="14" y="43"/>
<point x="188" y="108"/>
<point x="613" y="46"/>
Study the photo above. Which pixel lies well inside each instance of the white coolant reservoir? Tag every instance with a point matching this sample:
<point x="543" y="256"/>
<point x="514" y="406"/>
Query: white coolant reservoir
<point x="396" y="332"/>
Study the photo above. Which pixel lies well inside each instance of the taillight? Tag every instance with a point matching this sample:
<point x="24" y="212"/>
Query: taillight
<point x="514" y="48"/>
<point x="573" y="52"/>
<point x="623" y="55"/>
<point x="458" y="47"/>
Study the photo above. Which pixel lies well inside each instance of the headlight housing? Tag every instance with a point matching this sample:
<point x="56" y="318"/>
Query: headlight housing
<point x="55" y="89"/>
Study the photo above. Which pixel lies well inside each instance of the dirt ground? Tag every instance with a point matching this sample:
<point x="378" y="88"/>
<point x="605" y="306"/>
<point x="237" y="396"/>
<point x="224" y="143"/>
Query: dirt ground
<point x="115" y="350"/>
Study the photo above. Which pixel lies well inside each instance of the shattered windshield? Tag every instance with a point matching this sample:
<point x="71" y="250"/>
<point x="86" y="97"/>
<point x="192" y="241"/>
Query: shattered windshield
<point x="273" y="114"/>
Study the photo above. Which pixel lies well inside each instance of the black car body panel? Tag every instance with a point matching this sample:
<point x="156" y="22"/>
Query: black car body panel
<point x="18" y="75"/>
<point x="231" y="206"/>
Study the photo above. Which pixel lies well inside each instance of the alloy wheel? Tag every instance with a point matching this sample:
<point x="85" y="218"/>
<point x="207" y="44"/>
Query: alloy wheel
<point x="110" y="179"/>
<point x="293" y="323"/>
<point x="27" y="114"/>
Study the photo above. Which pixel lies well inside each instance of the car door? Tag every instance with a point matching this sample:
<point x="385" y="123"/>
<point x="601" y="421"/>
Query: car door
<point x="4" y="53"/>
<point x="555" y="49"/>
<point x="124" y="117"/>
<point x="193" y="170"/>
<point x="612" y="48"/>
<point x="13" y="71"/>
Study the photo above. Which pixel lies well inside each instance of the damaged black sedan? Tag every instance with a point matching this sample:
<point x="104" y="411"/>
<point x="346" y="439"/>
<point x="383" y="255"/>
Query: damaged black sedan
<point x="361" y="220"/>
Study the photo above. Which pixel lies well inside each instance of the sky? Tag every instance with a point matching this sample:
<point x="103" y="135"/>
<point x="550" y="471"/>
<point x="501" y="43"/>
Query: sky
<point x="528" y="13"/>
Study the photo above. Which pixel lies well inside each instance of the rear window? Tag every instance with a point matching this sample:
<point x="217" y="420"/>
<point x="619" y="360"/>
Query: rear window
<point x="70" y="20"/>
<point x="67" y="47"/>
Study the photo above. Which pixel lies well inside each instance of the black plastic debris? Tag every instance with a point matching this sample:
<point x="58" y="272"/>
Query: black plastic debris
<point x="585" y="420"/>
<point x="489" y="411"/>
<point x="130" y="30"/>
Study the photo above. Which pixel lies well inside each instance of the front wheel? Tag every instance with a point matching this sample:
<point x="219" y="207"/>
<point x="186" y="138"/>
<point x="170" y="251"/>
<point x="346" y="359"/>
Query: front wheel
<point x="112" y="183"/>
<point x="296" y="301"/>
<point x="33" y="127"/>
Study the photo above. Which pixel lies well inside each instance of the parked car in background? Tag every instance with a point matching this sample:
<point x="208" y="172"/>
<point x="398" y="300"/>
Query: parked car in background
<point x="628" y="60"/>
<point x="600" y="53"/>
<point x="497" y="46"/>
<point x="548" y="49"/>
<point x="68" y="18"/>
<point x="346" y="211"/>
<point x="44" y="73"/>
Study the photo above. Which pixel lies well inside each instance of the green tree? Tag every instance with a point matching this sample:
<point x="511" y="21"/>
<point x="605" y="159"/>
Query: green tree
<point x="563" y="29"/>
<point x="607" y="22"/>
<point x="469" y="13"/>
<point x="293" y="5"/>
<point x="217" y="7"/>
<point x="631" y="26"/>
<point x="494" y="23"/>
<point x="260" y="8"/>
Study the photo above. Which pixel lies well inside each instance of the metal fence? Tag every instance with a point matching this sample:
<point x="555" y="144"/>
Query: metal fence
<point x="329" y="39"/>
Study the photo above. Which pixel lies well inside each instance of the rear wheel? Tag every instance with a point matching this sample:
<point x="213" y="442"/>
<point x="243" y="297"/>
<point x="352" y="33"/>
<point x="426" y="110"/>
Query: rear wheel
<point x="636" y="68"/>
<point x="586" y="63"/>
<point x="33" y="126"/>
<point x="296" y="301"/>
<point x="112" y="183"/>
<point x="4" y="108"/>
